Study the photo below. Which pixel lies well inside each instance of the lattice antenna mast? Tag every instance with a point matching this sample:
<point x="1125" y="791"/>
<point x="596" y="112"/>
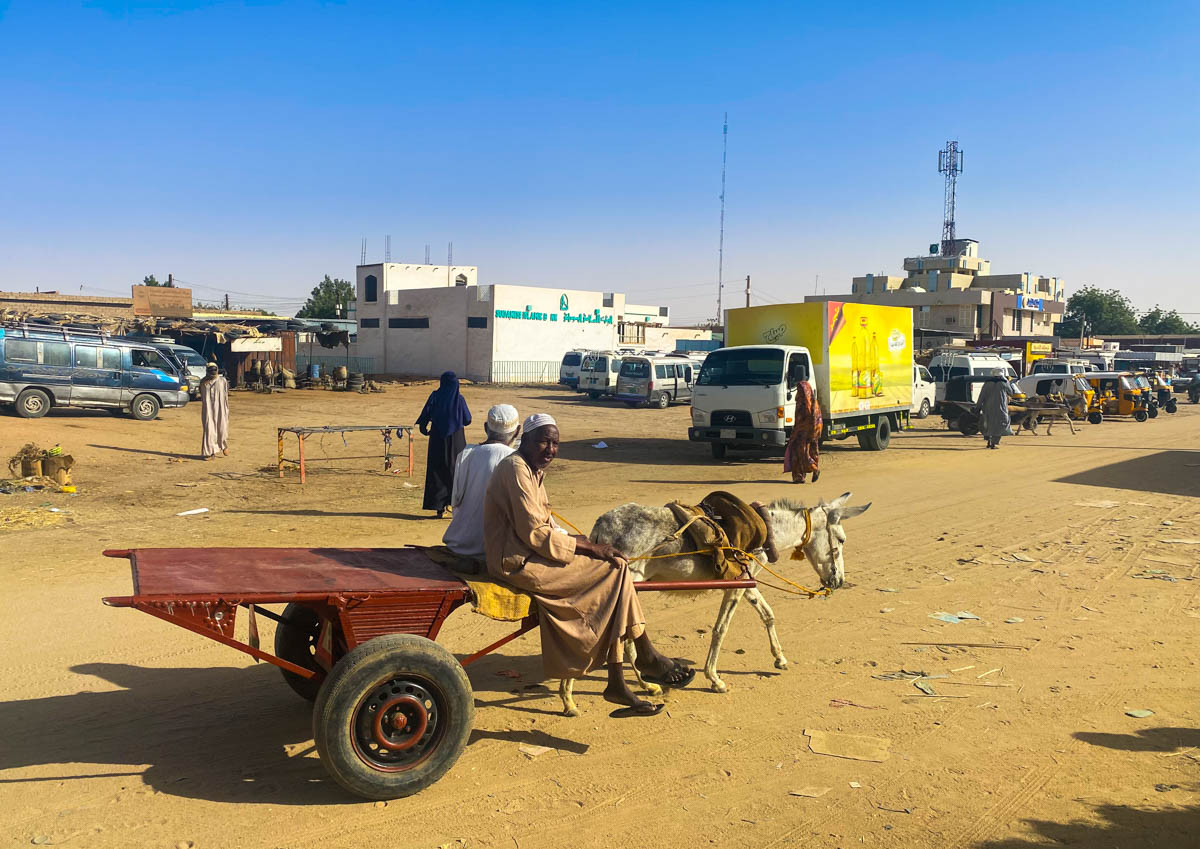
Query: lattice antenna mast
<point x="721" y="239"/>
<point x="950" y="163"/>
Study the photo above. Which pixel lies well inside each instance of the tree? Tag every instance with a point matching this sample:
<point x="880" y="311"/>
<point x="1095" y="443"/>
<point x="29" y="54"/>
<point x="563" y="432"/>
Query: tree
<point x="327" y="297"/>
<point x="151" y="280"/>
<point x="1159" y="320"/>
<point x="1103" y="312"/>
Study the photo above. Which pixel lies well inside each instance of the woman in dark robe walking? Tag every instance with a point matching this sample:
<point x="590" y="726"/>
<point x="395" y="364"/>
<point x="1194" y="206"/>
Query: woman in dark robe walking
<point x="443" y="418"/>
<point x="803" y="452"/>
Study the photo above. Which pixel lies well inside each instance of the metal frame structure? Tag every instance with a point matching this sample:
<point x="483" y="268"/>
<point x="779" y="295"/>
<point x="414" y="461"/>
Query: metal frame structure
<point x="302" y="433"/>
<point x="950" y="163"/>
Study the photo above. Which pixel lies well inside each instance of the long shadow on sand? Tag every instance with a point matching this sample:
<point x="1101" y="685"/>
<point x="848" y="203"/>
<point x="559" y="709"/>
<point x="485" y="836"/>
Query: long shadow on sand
<point x="1120" y="827"/>
<point x="1168" y="472"/>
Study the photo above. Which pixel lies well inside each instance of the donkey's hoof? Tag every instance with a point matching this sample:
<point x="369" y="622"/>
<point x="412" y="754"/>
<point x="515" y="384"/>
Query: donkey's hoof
<point x="720" y="686"/>
<point x="653" y="689"/>
<point x="571" y="711"/>
<point x="781" y="663"/>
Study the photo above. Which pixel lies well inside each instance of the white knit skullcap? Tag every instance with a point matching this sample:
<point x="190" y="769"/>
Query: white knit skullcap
<point x="502" y="419"/>
<point x="538" y="420"/>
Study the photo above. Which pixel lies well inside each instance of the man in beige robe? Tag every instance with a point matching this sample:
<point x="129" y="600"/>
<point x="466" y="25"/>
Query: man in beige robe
<point x="586" y="602"/>
<point x="214" y="414"/>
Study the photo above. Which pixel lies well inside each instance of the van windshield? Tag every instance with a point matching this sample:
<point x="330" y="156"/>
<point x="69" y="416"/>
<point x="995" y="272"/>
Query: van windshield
<point x="572" y="359"/>
<point x="150" y="359"/>
<point x="742" y="367"/>
<point x="189" y="356"/>
<point x="635" y="368"/>
<point x="595" y="364"/>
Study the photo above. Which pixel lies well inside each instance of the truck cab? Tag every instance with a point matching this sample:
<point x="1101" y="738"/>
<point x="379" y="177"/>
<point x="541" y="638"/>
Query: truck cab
<point x="745" y="397"/>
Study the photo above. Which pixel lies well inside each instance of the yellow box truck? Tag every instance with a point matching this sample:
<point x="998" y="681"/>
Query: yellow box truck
<point x="857" y="358"/>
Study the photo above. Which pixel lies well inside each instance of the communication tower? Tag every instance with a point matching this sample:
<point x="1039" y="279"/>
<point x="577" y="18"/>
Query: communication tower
<point x="950" y="163"/>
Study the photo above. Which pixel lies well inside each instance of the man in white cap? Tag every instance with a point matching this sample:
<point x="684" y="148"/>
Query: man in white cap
<point x="586" y="602"/>
<point x="472" y="472"/>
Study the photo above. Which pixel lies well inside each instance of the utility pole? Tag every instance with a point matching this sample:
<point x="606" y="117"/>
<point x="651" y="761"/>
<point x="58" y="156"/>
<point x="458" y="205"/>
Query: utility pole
<point x="747" y="290"/>
<point x="226" y="302"/>
<point x="950" y="163"/>
<point x="721" y="240"/>
<point x="170" y="279"/>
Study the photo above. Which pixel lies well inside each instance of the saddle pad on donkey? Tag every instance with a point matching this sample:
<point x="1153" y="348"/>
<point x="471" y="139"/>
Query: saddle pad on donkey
<point x="719" y="521"/>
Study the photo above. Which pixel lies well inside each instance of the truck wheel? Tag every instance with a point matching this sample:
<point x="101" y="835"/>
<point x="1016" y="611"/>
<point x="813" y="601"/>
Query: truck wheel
<point x="924" y="411"/>
<point x="1140" y="415"/>
<point x="32" y="404"/>
<point x="663" y="401"/>
<point x="1095" y="417"/>
<point x="296" y="641"/>
<point x="595" y="396"/>
<point x="144" y="408"/>
<point x="393" y="716"/>
<point x="879" y="437"/>
<point x="719" y="450"/>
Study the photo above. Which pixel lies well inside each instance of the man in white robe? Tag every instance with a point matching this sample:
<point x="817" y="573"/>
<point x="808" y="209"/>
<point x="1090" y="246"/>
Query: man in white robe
<point x="472" y="472"/>
<point x="214" y="414"/>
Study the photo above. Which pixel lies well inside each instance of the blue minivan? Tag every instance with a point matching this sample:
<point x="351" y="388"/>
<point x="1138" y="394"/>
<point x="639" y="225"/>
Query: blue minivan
<point x="50" y="366"/>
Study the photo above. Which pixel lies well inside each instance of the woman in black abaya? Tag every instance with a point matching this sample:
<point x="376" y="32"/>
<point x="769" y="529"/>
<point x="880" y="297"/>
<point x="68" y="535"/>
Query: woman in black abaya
<point x="443" y="420"/>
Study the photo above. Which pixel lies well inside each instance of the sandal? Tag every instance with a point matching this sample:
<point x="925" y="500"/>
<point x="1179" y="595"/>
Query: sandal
<point x="640" y="709"/>
<point x="678" y="678"/>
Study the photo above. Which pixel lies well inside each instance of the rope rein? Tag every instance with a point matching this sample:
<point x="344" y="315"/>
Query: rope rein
<point x="741" y="555"/>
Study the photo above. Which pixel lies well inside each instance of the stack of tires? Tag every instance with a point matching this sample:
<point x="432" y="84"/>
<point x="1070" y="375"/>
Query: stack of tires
<point x="356" y="381"/>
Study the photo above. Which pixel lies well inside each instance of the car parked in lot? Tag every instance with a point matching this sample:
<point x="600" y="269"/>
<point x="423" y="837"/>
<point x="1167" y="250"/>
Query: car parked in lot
<point x="924" y="392"/>
<point x="46" y="366"/>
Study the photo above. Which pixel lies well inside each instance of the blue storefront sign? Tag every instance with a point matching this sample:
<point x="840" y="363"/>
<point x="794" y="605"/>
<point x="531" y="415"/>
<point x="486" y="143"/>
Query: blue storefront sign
<point x="1027" y="303"/>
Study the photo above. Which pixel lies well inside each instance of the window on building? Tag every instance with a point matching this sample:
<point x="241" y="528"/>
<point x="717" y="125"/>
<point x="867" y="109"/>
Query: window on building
<point x="87" y="356"/>
<point x="477" y="321"/>
<point x="20" y="351"/>
<point x="371" y="290"/>
<point x="366" y="323"/>
<point x="663" y="312"/>
<point x="979" y="316"/>
<point x="607" y="300"/>
<point x="949" y="319"/>
<point x="1017" y="320"/>
<point x="410" y="323"/>
<point x="460" y="280"/>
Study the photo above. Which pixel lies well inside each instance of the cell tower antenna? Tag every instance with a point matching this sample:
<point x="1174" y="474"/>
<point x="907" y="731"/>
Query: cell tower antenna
<point x="387" y="248"/>
<point x="427" y="253"/>
<point x="721" y="238"/>
<point x="950" y="163"/>
<point x="362" y="256"/>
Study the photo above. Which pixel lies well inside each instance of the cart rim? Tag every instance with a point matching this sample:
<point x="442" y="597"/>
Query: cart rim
<point x="399" y="723"/>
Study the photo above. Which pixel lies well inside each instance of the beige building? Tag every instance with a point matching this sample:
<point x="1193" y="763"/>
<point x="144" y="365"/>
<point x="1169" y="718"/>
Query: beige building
<point x="958" y="295"/>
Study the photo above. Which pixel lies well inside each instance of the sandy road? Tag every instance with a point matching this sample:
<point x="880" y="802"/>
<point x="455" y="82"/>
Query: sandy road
<point x="119" y="730"/>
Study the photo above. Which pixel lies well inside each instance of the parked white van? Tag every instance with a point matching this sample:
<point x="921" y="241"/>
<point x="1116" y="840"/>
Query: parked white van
<point x="948" y="364"/>
<point x="568" y="372"/>
<point x="598" y="373"/>
<point x="924" y="391"/>
<point x="655" y="381"/>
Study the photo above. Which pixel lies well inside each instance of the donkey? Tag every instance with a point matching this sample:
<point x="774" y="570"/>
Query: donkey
<point x="639" y="530"/>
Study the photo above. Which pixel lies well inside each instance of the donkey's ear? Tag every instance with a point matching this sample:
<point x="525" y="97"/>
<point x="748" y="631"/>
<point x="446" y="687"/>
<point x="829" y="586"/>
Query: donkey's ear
<point x="841" y="514"/>
<point x="839" y="501"/>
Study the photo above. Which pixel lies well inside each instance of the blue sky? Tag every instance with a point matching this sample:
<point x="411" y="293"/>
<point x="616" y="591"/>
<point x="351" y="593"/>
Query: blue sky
<point x="249" y="147"/>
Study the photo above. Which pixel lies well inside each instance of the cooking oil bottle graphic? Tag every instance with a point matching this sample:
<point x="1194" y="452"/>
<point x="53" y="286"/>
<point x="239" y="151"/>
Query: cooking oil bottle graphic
<point x="876" y="374"/>
<point x="855" y="368"/>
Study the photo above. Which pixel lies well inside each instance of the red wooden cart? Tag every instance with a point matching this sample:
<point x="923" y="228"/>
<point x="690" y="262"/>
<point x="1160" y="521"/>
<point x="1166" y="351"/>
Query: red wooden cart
<point x="393" y="709"/>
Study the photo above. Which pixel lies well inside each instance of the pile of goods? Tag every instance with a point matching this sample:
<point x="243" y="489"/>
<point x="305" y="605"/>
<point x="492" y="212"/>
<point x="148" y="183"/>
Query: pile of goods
<point x="41" y="469"/>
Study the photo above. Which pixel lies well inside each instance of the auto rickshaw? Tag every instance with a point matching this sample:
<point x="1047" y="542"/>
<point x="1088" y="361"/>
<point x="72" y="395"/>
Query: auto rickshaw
<point x="1162" y="395"/>
<point x="1117" y="394"/>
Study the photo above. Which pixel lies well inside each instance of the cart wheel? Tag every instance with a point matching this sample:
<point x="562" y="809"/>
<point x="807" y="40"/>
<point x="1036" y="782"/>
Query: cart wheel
<point x="296" y="641"/>
<point x="393" y="716"/>
<point x="1095" y="417"/>
<point x="967" y="428"/>
<point x="1140" y="415"/>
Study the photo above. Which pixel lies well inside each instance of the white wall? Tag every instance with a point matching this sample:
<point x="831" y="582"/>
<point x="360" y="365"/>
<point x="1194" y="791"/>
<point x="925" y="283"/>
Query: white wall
<point x="527" y="346"/>
<point x="401" y="275"/>
<point x="645" y="312"/>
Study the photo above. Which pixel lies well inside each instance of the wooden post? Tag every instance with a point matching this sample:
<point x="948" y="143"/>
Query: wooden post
<point x="279" y="433"/>
<point x="410" y="450"/>
<point x="301" y="437"/>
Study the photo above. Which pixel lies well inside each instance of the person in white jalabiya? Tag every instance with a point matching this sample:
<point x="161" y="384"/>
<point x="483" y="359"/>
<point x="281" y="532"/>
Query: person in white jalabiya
<point x="472" y="471"/>
<point x="214" y="414"/>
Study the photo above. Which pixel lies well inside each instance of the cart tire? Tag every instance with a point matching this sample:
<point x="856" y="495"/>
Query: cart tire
<point x="295" y="641"/>
<point x="719" y="450"/>
<point x="32" y="404"/>
<point x="1172" y="406"/>
<point x="1140" y="415"/>
<point x="967" y="428"/>
<point x="1095" y="417"/>
<point x="923" y="413"/>
<point x="397" y="676"/>
<point x="144" y="407"/>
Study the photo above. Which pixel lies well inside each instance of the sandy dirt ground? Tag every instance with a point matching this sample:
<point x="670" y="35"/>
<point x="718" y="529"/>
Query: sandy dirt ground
<point x="119" y="730"/>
